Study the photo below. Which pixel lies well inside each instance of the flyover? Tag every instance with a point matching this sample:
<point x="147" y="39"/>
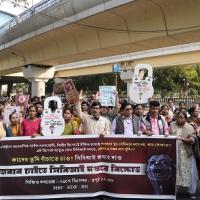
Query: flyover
<point x="84" y="37"/>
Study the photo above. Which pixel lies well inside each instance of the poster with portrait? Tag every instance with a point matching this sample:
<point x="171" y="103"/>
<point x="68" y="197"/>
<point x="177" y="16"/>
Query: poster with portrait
<point x="22" y="100"/>
<point x="9" y="110"/>
<point x="71" y="91"/>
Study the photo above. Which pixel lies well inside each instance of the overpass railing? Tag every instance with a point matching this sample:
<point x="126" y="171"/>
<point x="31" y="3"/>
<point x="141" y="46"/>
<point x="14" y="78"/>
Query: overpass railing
<point x="27" y="14"/>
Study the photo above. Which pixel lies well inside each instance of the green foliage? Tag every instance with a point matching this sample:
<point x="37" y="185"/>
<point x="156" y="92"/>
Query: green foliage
<point x="20" y="87"/>
<point x="91" y="83"/>
<point x="16" y="3"/>
<point x="179" y="79"/>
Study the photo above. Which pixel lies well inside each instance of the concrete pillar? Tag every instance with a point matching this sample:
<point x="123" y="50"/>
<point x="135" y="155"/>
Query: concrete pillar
<point x="38" y="77"/>
<point x="29" y="87"/>
<point x="9" y="88"/>
<point x="0" y="89"/>
<point x="126" y="76"/>
<point x="38" y="87"/>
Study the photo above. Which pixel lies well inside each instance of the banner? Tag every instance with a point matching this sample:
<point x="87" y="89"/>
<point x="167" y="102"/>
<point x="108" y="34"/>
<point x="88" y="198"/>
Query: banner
<point x="70" y="167"/>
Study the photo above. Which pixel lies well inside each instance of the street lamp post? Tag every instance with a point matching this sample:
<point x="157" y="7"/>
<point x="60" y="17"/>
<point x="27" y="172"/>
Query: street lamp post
<point x="184" y="80"/>
<point x="187" y="87"/>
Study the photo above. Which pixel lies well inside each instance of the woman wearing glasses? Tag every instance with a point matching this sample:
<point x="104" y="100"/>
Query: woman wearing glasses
<point x="186" y="175"/>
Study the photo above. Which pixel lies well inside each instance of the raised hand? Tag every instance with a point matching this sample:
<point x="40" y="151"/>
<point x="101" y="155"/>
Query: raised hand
<point x="80" y="97"/>
<point x="97" y="96"/>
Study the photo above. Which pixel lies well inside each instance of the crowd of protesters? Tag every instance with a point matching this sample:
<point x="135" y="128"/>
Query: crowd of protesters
<point x="89" y="117"/>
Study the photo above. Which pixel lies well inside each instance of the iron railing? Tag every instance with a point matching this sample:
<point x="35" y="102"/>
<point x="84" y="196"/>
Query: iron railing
<point x="27" y="14"/>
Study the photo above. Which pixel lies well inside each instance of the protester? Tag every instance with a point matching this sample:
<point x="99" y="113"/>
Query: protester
<point x="42" y="99"/>
<point x="31" y="125"/>
<point x="93" y="124"/>
<point x="21" y="115"/>
<point x="171" y="105"/>
<point x="76" y="117"/>
<point x="1" y="110"/>
<point x="166" y="113"/>
<point x="14" y="129"/>
<point x="2" y="129"/>
<point x="182" y="107"/>
<point x="187" y="174"/>
<point x="193" y="119"/>
<point x="71" y="126"/>
<point x="124" y="124"/>
<point x="39" y="109"/>
<point x="111" y="114"/>
<point x="85" y="107"/>
<point x="153" y="123"/>
<point x="138" y="118"/>
<point x="127" y="123"/>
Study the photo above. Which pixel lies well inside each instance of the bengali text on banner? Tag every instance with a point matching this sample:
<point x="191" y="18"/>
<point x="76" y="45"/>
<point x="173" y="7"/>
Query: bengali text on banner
<point x="82" y="166"/>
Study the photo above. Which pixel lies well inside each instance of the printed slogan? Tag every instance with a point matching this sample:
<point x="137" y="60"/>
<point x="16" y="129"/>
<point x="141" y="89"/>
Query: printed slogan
<point x="87" y="166"/>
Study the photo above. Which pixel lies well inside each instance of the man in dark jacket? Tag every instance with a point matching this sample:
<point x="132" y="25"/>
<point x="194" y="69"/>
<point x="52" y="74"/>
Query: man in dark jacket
<point x="126" y="123"/>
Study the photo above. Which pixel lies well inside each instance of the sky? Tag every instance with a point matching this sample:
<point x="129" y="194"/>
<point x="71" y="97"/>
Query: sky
<point x="8" y="7"/>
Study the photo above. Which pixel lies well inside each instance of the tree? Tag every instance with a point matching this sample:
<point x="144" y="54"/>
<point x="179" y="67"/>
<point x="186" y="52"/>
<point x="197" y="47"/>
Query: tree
<point x="90" y="83"/>
<point x="16" y="3"/>
<point x="179" y="79"/>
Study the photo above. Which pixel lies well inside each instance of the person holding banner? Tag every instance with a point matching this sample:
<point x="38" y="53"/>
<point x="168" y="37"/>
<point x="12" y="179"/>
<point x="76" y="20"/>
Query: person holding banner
<point x="126" y="123"/>
<point x="15" y="127"/>
<point x="31" y="125"/>
<point x="1" y="110"/>
<point x="153" y="123"/>
<point x="93" y="124"/>
<point x="2" y="125"/>
<point x="2" y="129"/>
<point x="71" y="126"/>
<point x="186" y="175"/>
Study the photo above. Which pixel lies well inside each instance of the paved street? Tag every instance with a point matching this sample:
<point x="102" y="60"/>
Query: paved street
<point x="178" y="197"/>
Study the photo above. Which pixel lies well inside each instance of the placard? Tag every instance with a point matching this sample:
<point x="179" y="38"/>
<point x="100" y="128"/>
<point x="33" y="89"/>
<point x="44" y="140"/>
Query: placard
<point x="52" y="123"/>
<point x="9" y="110"/>
<point x="141" y="91"/>
<point x="71" y="91"/>
<point x="107" y="95"/>
<point x="22" y="101"/>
